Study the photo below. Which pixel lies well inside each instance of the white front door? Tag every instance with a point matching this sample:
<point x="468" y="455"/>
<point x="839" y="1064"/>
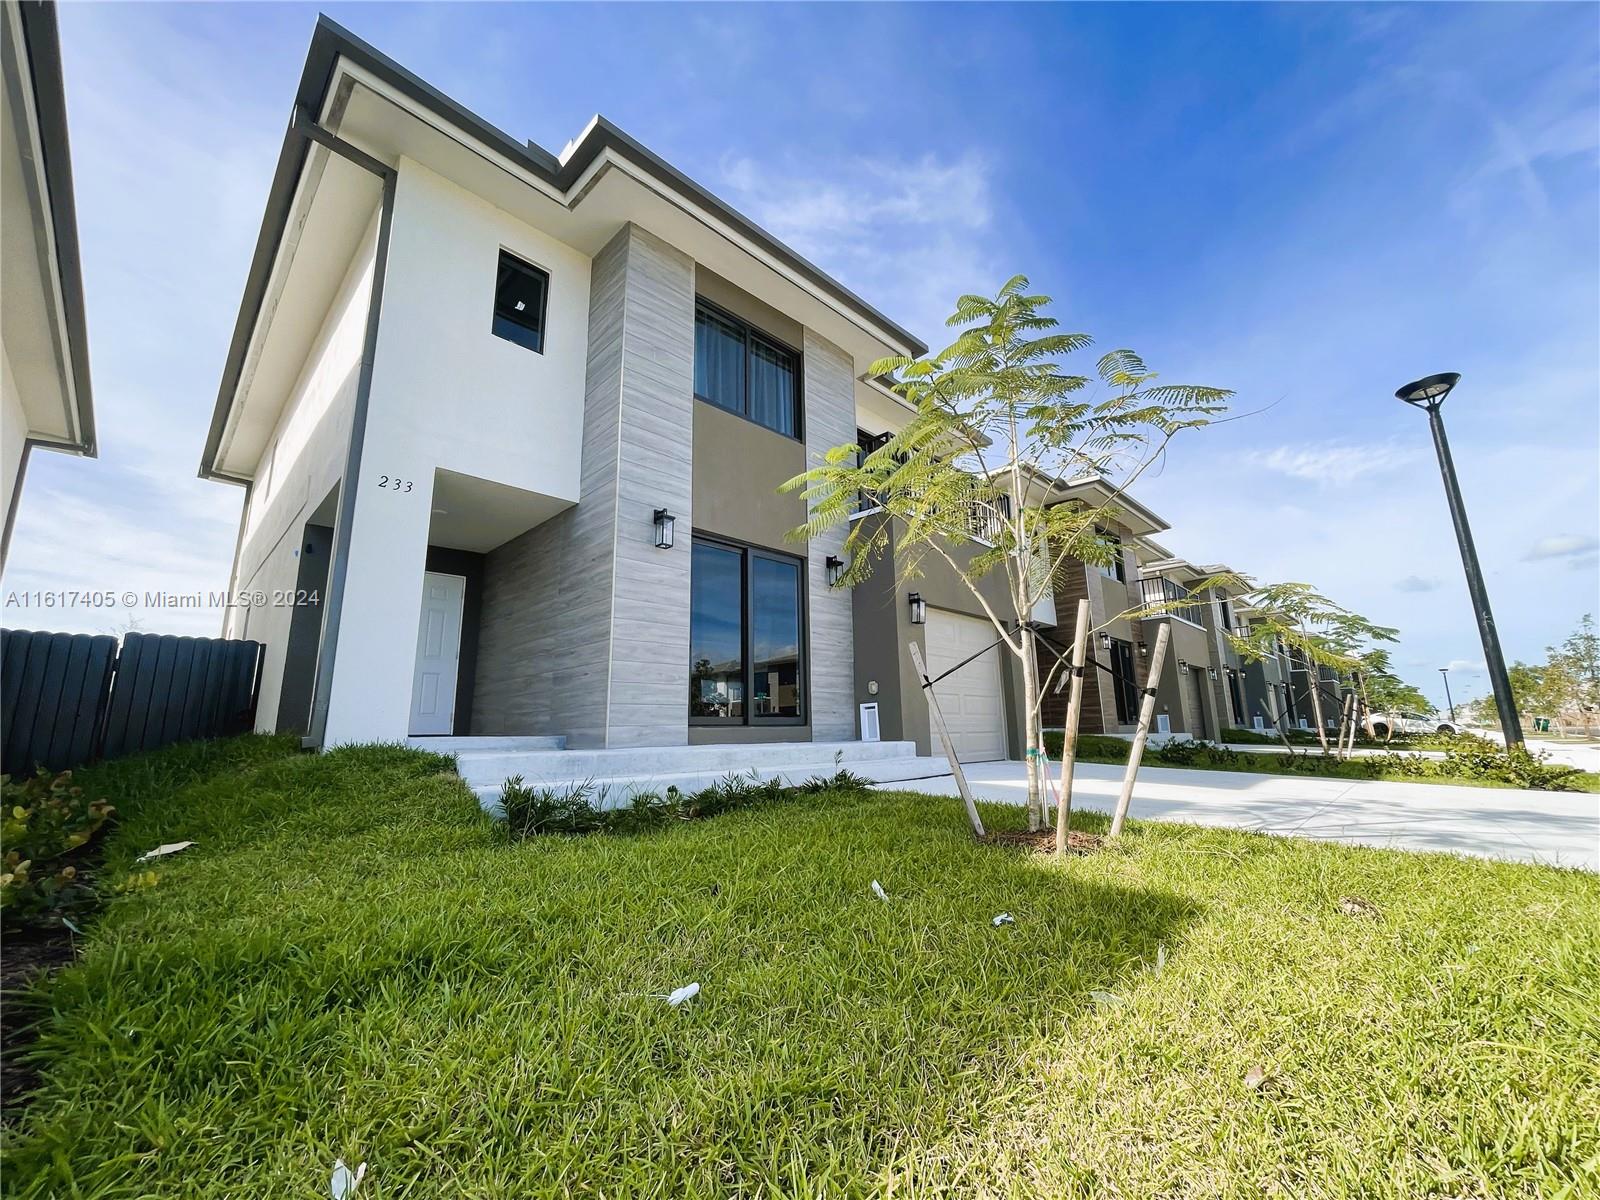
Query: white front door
<point x="970" y="699"/>
<point x="433" y="689"/>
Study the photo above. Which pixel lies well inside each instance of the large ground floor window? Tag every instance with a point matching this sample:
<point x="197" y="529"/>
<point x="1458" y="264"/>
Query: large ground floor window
<point x="746" y="631"/>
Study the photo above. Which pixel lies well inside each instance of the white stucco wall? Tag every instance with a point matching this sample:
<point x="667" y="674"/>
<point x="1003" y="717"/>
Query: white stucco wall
<point x="447" y="393"/>
<point x="13" y="434"/>
<point x="302" y="463"/>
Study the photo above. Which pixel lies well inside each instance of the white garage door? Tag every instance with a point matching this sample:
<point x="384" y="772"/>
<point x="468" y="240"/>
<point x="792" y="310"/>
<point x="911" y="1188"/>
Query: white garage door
<point x="969" y="699"/>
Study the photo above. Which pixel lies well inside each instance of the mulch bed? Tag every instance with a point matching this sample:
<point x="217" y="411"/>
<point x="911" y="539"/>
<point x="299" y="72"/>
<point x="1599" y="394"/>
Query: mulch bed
<point x="1044" y="841"/>
<point x="27" y="954"/>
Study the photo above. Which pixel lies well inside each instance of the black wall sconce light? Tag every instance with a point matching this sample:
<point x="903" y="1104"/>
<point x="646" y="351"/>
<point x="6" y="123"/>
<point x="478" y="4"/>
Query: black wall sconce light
<point x="1105" y="641"/>
<point x="1183" y="667"/>
<point x="1212" y="672"/>
<point x="664" y="525"/>
<point x="919" y="608"/>
<point x="835" y="569"/>
<point x="1144" y="649"/>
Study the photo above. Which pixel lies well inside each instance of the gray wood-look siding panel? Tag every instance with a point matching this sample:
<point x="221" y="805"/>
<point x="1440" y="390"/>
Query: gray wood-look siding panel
<point x="544" y="637"/>
<point x="650" y="597"/>
<point x="585" y="623"/>
<point x="830" y="412"/>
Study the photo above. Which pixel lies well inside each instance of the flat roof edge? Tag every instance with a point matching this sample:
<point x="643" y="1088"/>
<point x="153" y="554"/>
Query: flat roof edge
<point x="42" y="43"/>
<point x="330" y="41"/>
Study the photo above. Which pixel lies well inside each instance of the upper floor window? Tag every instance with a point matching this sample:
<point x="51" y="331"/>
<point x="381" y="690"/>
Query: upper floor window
<point x="521" y="292"/>
<point x="744" y="371"/>
<point x="1113" y="568"/>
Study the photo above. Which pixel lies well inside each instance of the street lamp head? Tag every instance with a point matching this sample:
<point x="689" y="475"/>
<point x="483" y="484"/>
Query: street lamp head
<point x="1429" y="392"/>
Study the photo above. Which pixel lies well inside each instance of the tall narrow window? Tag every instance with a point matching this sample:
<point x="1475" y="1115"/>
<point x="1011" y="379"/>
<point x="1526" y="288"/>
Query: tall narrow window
<point x="743" y="371"/>
<point x="1123" y="688"/>
<point x="775" y="636"/>
<point x="716" y="633"/>
<point x="771" y="386"/>
<point x="718" y="360"/>
<point x="746" y="636"/>
<point x="1112" y="568"/>
<point x="521" y="291"/>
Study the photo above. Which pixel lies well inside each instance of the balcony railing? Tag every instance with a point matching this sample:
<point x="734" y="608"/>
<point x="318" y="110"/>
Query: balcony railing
<point x="1163" y="591"/>
<point x="984" y="520"/>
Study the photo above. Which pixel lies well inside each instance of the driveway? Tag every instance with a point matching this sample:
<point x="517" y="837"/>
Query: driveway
<point x="1557" y="828"/>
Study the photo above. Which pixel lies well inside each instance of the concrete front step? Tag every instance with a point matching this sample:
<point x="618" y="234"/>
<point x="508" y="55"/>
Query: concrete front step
<point x="653" y="762"/>
<point x="479" y="745"/>
<point x="613" y="791"/>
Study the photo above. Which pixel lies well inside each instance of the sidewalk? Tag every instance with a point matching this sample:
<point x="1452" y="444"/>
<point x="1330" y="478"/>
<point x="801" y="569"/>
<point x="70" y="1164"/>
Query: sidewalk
<point x="1556" y="828"/>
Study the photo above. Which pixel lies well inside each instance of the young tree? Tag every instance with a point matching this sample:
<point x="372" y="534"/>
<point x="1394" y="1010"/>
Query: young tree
<point x="1579" y="659"/>
<point x="1320" y="631"/>
<point x="1383" y="690"/>
<point x="970" y="479"/>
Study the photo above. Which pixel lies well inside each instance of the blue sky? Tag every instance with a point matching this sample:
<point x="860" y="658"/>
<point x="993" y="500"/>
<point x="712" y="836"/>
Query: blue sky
<point x="1309" y="204"/>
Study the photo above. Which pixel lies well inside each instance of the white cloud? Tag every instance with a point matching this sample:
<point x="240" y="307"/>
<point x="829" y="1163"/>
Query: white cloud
<point x="1417" y="583"/>
<point x="910" y="235"/>
<point x="1466" y="666"/>
<point x="1334" y="464"/>
<point x="1563" y="545"/>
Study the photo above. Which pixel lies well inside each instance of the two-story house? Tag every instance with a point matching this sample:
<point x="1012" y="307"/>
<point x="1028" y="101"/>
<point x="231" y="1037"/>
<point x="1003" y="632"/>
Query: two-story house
<point x="511" y="426"/>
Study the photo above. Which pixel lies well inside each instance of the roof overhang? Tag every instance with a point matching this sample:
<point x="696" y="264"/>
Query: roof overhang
<point x="1096" y="491"/>
<point x="601" y="181"/>
<point x="41" y="305"/>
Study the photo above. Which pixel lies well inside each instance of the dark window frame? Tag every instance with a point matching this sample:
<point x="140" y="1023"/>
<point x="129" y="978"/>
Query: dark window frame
<point x="1235" y="698"/>
<point x="1124" y="682"/>
<point x="749" y="553"/>
<point x="1117" y="568"/>
<point x="750" y="334"/>
<point x="541" y="330"/>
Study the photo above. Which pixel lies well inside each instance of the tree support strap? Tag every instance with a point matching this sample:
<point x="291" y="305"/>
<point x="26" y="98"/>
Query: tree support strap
<point x="928" y="683"/>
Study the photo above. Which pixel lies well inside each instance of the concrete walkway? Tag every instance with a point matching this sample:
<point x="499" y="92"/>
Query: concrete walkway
<point x="1557" y="828"/>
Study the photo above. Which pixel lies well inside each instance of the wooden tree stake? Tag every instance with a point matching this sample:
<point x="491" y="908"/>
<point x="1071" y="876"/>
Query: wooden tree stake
<point x="1069" y="736"/>
<point x="937" y="718"/>
<point x="1147" y="712"/>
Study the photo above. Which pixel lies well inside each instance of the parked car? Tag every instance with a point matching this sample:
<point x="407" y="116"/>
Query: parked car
<point x="1382" y="725"/>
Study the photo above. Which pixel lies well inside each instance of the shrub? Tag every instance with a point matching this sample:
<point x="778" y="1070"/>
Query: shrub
<point x="531" y="811"/>
<point x="1249" y="737"/>
<point x="46" y="819"/>
<point x="1518" y="765"/>
<point x="1092" y="747"/>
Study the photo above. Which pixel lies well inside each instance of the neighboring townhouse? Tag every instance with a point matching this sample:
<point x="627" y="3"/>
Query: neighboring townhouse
<point x="511" y="425"/>
<point x="1225" y="668"/>
<point x="1266" y="681"/>
<point x="44" y="378"/>
<point x="1186" y="698"/>
<point x="1120" y="649"/>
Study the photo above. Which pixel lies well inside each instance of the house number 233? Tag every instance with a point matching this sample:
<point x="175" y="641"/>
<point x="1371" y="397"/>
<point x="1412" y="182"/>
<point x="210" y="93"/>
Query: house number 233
<point x="394" y="483"/>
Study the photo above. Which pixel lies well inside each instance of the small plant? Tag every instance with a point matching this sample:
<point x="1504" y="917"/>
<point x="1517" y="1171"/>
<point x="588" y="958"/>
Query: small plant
<point x="531" y="811"/>
<point x="46" y="819"/>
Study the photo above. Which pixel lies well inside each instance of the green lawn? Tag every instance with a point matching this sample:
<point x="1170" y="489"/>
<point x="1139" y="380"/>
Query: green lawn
<point x="353" y="962"/>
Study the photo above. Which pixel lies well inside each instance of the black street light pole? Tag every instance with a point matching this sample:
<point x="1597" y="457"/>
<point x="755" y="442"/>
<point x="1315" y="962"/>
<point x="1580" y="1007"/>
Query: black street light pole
<point x="1429" y="393"/>
<point x="1445" y="671"/>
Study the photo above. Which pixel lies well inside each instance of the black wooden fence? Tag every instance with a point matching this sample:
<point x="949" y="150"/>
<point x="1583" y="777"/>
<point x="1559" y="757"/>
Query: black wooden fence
<point x="69" y="698"/>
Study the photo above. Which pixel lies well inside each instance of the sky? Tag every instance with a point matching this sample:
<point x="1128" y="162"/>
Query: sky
<point x="1309" y="204"/>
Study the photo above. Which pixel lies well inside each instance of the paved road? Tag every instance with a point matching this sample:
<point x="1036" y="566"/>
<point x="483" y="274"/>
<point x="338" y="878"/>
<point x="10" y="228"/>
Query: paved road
<point x="1558" y="828"/>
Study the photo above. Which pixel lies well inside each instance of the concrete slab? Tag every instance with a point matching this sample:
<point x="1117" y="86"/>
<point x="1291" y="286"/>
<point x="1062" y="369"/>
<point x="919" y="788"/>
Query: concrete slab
<point x="1554" y="828"/>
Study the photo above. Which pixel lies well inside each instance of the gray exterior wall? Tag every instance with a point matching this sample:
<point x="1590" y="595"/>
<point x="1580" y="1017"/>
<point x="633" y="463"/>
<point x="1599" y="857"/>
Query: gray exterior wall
<point x="830" y="420"/>
<point x="738" y="466"/>
<point x="585" y="623"/>
<point x="882" y="620"/>
<point x="650" y="618"/>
